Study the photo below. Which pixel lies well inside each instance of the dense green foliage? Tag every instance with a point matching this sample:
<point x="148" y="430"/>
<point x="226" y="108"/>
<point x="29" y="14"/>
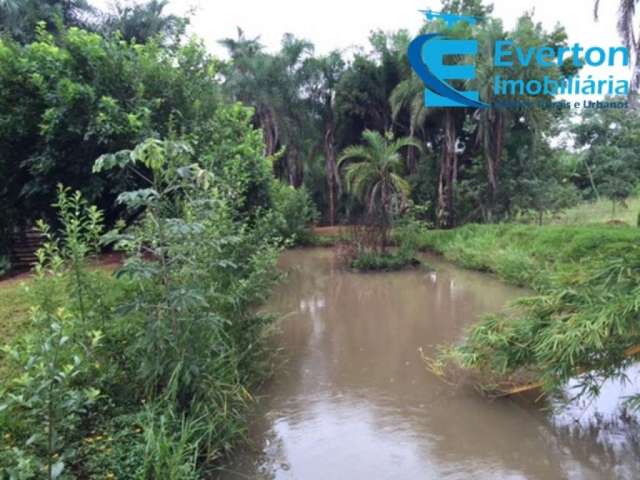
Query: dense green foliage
<point x="159" y="357"/>
<point x="483" y="165"/>
<point x="609" y="164"/>
<point x="297" y="212"/>
<point x="583" y="317"/>
<point x="81" y="95"/>
<point x="141" y="21"/>
<point x="386" y="262"/>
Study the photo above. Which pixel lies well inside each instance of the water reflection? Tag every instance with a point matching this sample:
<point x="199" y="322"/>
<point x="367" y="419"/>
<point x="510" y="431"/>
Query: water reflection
<point x="355" y="402"/>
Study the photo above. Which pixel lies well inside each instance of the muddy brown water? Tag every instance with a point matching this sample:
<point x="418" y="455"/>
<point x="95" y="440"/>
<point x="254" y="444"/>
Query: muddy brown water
<point x="354" y="401"/>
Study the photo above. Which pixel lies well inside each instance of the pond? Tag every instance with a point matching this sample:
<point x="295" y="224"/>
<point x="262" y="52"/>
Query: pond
<point x="354" y="401"/>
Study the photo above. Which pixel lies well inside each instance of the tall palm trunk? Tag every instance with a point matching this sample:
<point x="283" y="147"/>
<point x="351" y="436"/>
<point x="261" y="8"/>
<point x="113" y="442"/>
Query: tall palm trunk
<point x="448" y="173"/>
<point x="412" y="154"/>
<point x="634" y="101"/>
<point x="386" y="218"/>
<point x="331" y="169"/>
<point x="295" y="170"/>
<point x="270" y="131"/>
<point x="494" y="141"/>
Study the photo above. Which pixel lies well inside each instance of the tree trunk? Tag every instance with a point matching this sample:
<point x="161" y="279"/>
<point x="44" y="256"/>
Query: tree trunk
<point x="295" y="171"/>
<point x="634" y="102"/>
<point x="269" y="131"/>
<point x="494" y="154"/>
<point x="593" y="183"/>
<point x="412" y="155"/>
<point x="448" y="173"/>
<point x="385" y="220"/>
<point x="493" y="144"/>
<point x="331" y="170"/>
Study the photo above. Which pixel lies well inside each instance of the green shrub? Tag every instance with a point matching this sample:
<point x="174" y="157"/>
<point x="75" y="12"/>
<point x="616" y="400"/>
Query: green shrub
<point x="296" y="212"/>
<point x="198" y="272"/>
<point x="173" y="341"/>
<point x="407" y="235"/>
<point x="56" y="369"/>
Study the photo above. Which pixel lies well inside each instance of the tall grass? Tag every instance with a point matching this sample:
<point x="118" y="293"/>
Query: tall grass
<point x="583" y="320"/>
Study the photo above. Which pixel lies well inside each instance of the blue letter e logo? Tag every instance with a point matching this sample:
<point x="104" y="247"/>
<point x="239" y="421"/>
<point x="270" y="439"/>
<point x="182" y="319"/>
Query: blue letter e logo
<point x="426" y="56"/>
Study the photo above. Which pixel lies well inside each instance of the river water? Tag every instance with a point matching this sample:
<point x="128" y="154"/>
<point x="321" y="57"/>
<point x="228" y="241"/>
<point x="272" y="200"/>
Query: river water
<point x="354" y="401"/>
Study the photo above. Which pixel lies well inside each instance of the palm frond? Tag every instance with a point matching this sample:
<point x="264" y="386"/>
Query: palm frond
<point x="354" y="152"/>
<point x="376" y="141"/>
<point x="400" y="185"/>
<point x="407" y="142"/>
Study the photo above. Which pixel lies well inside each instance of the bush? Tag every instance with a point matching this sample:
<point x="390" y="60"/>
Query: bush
<point x="295" y="211"/>
<point x="168" y="349"/>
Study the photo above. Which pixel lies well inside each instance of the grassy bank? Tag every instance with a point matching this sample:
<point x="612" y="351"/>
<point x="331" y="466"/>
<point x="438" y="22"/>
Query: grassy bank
<point x="584" y="317"/>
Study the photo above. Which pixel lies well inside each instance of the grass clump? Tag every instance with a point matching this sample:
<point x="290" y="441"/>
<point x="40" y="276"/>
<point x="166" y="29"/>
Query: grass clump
<point x="388" y="261"/>
<point x="366" y="255"/>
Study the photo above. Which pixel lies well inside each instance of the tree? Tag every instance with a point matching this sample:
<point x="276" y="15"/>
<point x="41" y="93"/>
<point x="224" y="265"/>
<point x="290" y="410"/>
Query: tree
<point x="616" y="179"/>
<point x="18" y="18"/>
<point x="495" y="124"/>
<point x="362" y="94"/>
<point x="273" y="85"/>
<point x="610" y="144"/>
<point x="460" y="137"/>
<point x="373" y="174"/>
<point x="70" y="98"/>
<point x="143" y="21"/>
<point x="325" y="75"/>
<point x="445" y="123"/>
<point x="630" y="39"/>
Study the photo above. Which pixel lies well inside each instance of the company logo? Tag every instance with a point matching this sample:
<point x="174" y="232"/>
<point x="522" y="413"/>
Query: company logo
<point x="427" y="54"/>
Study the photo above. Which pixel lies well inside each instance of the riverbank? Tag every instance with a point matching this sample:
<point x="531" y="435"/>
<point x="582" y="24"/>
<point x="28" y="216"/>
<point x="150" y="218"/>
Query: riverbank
<point x="583" y="318"/>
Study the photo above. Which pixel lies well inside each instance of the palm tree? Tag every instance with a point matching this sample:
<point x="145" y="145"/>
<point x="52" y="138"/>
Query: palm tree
<point x="325" y="73"/>
<point x="144" y="21"/>
<point x="18" y="18"/>
<point x="271" y="83"/>
<point x="373" y="174"/>
<point x="631" y="40"/>
<point x="409" y="94"/>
